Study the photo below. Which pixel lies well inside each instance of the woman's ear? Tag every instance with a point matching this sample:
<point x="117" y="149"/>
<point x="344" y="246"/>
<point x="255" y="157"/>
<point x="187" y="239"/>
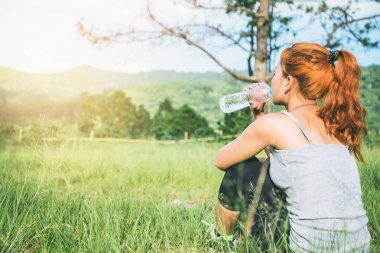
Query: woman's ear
<point x="287" y="86"/>
<point x="290" y="84"/>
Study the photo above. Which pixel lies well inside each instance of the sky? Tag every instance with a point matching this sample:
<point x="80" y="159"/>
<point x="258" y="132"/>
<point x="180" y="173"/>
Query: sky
<point x="42" y="36"/>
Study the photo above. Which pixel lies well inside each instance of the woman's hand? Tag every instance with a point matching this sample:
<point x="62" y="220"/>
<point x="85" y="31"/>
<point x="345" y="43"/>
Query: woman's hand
<point x="256" y="108"/>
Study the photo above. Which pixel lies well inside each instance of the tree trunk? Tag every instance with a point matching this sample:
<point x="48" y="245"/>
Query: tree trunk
<point x="252" y="48"/>
<point x="270" y="25"/>
<point x="250" y="71"/>
<point x="262" y="42"/>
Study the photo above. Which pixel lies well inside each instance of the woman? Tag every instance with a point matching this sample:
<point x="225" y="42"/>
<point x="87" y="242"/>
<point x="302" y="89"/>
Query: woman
<point x="312" y="149"/>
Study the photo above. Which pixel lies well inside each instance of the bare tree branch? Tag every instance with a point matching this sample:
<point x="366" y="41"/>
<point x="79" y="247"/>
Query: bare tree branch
<point x="247" y="39"/>
<point x="229" y="37"/>
<point x="217" y="30"/>
<point x="132" y="35"/>
<point x="177" y="32"/>
<point x="170" y="32"/>
<point x="346" y="23"/>
<point x="93" y="39"/>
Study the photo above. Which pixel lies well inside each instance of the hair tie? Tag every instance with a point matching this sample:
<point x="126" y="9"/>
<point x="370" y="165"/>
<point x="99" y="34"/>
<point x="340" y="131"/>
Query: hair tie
<point x="333" y="55"/>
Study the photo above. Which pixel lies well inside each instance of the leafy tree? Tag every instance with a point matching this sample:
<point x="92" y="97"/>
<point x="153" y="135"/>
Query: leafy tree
<point x="235" y="122"/>
<point x="88" y="111"/>
<point x="370" y="97"/>
<point x="341" y="23"/>
<point x="141" y="124"/>
<point x="113" y="116"/>
<point x="164" y="109"/>
<point x="171" y="123"/>
<point x="186" y="119"/>
<point x="118" y="114"/>
<point x="161" y="120"/>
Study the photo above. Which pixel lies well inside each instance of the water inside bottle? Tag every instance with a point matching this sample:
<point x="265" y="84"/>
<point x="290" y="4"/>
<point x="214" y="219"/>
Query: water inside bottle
<point x="234" y="102"/>
<point x="257" y="94"/>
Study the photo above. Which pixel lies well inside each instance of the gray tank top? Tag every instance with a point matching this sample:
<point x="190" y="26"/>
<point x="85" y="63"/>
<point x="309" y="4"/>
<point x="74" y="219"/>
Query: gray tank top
<point x="323" y="196"/>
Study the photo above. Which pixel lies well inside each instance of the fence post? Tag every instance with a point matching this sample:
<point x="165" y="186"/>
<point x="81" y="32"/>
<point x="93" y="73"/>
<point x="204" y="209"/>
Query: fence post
<point x="92" y="134"/>
<point x="186" y="136"/>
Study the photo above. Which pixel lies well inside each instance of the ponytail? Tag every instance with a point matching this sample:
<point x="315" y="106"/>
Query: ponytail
<point x="342" y="112"/>
<point x="336" y="85"/>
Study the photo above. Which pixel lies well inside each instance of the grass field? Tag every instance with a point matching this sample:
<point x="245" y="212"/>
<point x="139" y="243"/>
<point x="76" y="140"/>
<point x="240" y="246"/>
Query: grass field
<point x="113" y="197"/>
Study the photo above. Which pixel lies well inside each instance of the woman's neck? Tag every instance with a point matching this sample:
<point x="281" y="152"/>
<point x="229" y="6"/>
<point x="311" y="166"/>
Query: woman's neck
<point x="298" y="104"/>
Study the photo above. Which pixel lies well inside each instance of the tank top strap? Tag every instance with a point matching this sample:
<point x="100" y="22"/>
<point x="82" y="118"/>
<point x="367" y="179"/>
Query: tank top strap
<point x="298" y="125"/>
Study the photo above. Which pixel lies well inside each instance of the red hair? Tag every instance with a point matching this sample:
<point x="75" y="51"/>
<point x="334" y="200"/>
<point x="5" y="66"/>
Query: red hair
<point x="336" y="85"/>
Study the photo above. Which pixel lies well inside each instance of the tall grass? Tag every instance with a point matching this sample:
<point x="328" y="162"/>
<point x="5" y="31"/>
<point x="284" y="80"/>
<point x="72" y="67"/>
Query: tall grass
<point x="103" y="197"/>
<point x="370" y="182"/>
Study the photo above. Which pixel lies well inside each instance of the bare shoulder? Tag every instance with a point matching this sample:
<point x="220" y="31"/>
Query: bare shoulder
<point x="271" y="117"/>
<point x="272" y="121"/>
<point x="271" y="125"/>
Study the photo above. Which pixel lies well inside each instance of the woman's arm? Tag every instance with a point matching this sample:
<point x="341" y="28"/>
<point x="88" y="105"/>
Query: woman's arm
<point x="257" y="136"/>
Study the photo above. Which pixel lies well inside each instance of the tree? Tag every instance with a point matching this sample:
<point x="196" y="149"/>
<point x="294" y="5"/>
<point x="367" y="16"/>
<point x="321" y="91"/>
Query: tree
<point x="171" y="123"/>
<point x="161" y="120"/>
<point x="341" y="24"/>
<point x="88" y="111"/>
<point x="117" y="114"/>
<point x="234" y="123"/>
<point x="185" y="119"/>
<point x="370" y="97"/>
<point x="141" y="124"/>
<point x="164" y="109"/>
<point x="259" y="35"/>
<point x="113" y="116"/>
<point x="244" y="39"/>
<point x="261" y="28"/>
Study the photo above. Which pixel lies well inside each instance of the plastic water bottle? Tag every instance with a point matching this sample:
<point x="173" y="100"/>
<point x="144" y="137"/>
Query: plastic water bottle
<point x="257" y="93"/>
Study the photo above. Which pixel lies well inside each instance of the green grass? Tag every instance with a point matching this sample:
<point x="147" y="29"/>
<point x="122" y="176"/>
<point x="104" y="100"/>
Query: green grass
<point x="113" y="197"/>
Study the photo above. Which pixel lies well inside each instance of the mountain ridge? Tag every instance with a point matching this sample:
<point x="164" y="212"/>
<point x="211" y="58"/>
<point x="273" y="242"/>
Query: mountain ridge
<point x="72" y="82"/>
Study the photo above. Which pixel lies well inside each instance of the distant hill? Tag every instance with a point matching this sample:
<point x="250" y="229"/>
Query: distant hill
<point x="17" y="84"/>
<point x="200" y="90"/>
<point x="28" y="95"/>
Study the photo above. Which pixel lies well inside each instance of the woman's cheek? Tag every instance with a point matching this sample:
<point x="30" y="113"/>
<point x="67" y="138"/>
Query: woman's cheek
<point x="274" y="96"/>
